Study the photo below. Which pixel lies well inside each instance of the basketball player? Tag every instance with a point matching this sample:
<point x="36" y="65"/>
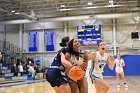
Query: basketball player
<point x="119" y="71"/>
<point x="77" y="58"/>
<point x="56" y="74"/>
<point x="100" y="58"/>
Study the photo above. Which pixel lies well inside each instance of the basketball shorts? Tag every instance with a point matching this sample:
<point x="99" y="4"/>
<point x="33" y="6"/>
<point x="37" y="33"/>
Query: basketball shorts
<point x="119" y="70"/>
<point x="55" y="78"/>
<point x="96" y="76"/>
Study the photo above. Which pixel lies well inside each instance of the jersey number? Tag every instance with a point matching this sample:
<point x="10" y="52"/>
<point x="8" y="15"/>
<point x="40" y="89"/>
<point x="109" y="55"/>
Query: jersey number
<point x="101" y="66"/>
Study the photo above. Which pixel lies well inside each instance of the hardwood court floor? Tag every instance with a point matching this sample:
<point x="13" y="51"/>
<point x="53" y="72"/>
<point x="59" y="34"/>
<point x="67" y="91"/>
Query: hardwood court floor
<point x="44" y="87"/>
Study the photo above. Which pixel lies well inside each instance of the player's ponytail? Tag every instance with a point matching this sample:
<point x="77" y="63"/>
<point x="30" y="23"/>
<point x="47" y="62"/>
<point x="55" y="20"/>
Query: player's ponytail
<point x="64" y="41"/>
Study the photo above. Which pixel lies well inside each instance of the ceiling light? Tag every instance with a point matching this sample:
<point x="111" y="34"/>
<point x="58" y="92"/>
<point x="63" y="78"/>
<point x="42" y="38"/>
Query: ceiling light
<point x="63" y="6"/>
<point x="13" y="11"/>
<point x="65" y="9"/>
<point x="17" y="13"/>
<point x="111" y="2"/>
<point x="114" y="5"/>
<point x="89" y="3"/>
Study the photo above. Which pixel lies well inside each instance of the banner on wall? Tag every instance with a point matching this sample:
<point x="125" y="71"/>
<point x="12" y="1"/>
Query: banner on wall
<point x="33" y="41"/>
<point x="49" y="40"/>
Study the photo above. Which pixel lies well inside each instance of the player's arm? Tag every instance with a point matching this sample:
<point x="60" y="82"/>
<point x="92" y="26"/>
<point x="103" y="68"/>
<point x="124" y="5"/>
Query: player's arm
<point x="111" y="62"/>
<point x="85" y="62"/>
<point x="123" y="64"/>
<point x="92" y="56"/>
<point x="65" y="60"/>
<point x="88" y="57"/>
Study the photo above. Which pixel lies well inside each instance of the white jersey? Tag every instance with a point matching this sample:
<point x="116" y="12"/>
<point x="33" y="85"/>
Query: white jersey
<point x="119" y="64"/>
<point x="73" y="60"/>
<point x="99" y="63"/>
<point x="20" y="67"/>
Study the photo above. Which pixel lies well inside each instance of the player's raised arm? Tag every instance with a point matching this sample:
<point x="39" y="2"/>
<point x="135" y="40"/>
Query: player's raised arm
<point x="111" y="62"/>
<point x="92" y="56"/>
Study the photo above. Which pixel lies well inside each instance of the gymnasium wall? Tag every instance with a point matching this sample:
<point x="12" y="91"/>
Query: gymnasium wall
<point x="123" y="32"/>
<point x="12" y="33"/>
<point x="132" y="66"/>
<point x="123" y="35"/>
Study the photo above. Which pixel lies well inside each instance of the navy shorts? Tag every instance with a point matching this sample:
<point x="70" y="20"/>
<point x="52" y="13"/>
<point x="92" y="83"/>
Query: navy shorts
<point x="55" y="78"/>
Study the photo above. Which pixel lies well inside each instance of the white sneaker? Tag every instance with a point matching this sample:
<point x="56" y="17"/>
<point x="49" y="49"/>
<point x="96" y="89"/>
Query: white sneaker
<point x="125" y="85"/>
<point x="118" y="86"/>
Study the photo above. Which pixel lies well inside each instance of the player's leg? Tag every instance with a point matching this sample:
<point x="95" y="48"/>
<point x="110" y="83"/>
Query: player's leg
<point x="124" y="80"/>
<point x="53" y="85"/>
<point x="83" y="85"/>
<point x="62" y="83"/>
<point x="54" y="77"/>
<point x="118" y="79"/>
<point x="57" y="90"/>
<point x="65" y="88"/>
<point x="74" y="87"/>
<point x="101" y="86"/>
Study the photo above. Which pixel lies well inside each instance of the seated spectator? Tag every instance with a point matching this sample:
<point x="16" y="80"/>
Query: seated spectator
<point x="20" y="68"/>
<point x="38" y="68"/>
<point x="14" y="70"/>
<point x="31" y="70"/>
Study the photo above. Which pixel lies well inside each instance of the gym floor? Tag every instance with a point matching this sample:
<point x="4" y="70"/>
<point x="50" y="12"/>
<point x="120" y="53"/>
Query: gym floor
<point x="42" y="86"/>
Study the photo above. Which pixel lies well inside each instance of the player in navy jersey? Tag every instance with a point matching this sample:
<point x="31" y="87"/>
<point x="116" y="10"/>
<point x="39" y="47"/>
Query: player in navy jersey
<point x="56" y="75"/>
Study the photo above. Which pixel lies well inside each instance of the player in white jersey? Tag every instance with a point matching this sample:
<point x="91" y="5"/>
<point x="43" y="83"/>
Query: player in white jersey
<point x="119" y="71"/>
<point x="100" y="58"/>
<point x="76" y="57"/>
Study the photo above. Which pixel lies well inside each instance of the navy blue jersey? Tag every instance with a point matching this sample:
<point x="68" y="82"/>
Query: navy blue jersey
<point x="57" y="59"/>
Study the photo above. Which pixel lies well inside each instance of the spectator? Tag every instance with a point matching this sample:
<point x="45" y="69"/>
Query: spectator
<point x="20" y="68"/>
<point x="14" y="70"/>
<point x="38" y="68"/>
<point x="31" y="70"/>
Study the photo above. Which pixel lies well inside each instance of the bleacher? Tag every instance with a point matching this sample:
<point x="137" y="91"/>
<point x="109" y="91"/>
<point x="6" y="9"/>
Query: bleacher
<point x="10" y="55"/>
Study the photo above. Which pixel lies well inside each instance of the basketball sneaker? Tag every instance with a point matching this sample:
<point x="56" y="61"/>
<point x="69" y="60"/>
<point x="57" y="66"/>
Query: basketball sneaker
<point x="118" y="86"/>
<point x="125" y="85"/>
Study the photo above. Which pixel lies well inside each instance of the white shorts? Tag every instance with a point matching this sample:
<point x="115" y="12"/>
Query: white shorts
<point x="119" y="70"/>
<point x="96" y="76"/>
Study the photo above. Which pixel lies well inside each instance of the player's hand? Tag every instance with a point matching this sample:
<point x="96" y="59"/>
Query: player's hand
<point x="85" y="57"/>
<point x="93" y="55"/>
<point x="111" y="61"/>
<point x="62" y="54"/>
<point x="67" y="69"/>
<point x="112" y="58"/>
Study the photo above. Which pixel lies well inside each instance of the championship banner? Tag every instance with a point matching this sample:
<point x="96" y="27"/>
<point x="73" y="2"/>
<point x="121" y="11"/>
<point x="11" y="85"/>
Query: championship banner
<point x="33" y="41"/>
<point x="49" y="40"/>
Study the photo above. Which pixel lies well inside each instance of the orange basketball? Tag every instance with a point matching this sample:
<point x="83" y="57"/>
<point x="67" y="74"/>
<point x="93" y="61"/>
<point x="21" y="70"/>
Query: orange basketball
<point x="76" y="73"/>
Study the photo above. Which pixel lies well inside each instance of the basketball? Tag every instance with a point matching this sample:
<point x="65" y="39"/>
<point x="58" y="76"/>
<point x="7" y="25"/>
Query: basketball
<point x="76" y="73"/>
